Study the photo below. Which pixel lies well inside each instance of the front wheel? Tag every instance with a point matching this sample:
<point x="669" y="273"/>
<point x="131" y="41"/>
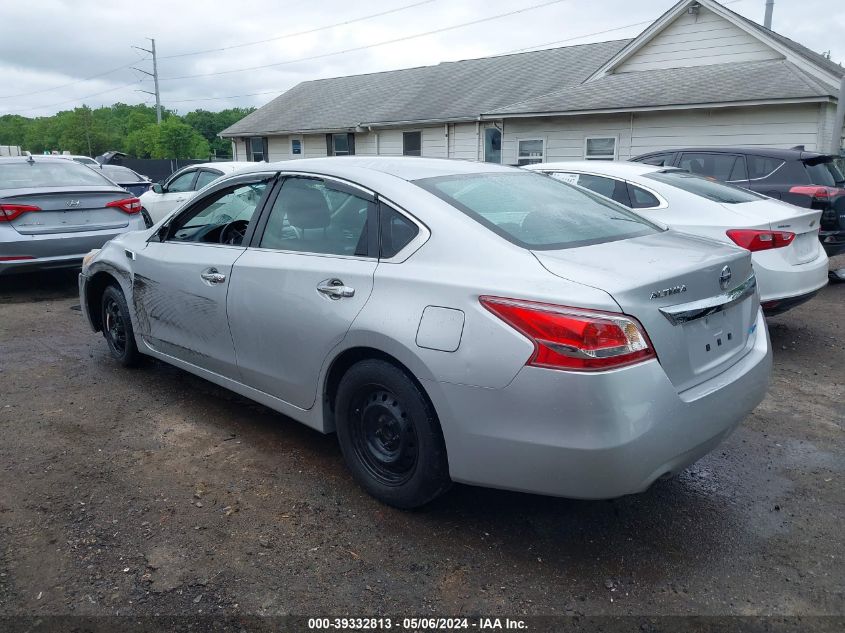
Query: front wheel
<point x="390" y="436"/>
<point x="117" y="327"/>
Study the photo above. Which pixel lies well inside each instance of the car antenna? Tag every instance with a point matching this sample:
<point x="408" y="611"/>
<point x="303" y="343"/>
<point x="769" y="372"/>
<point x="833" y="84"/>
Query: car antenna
<point x="30" y="159"/>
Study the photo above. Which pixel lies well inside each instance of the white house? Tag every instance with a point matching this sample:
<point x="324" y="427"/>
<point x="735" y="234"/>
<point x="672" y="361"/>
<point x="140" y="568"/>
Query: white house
<point x="700" y="75"/>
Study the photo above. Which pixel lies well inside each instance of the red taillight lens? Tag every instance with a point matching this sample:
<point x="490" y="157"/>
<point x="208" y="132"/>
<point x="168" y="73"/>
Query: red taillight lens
<point x="9" y="212"/>
<point x="572" y="338"/>
<point x="816" y="191"/>
<point x="754" y="240"/>
<point x="127" y="205"/>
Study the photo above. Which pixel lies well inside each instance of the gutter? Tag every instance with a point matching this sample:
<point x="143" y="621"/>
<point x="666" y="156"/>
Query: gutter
<point x="691" y="106"/>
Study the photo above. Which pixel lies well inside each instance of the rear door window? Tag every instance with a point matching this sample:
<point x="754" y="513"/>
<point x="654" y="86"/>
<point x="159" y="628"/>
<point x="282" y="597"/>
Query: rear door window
<point x="762" y="166"/>
<point x="395" y="232"/>
<point x="719" y="166"/>
<point x="206" y="177"/>
<point x="537" y="212"/>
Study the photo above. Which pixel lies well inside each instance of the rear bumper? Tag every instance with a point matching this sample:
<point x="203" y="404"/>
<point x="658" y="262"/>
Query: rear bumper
<point x="598" y="435"/>
<point x="53" y="250"/>
<point x="782" y="281"/>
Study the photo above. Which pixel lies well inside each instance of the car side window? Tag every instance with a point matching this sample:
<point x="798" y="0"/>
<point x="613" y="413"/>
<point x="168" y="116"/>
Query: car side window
<point x="312" y="216"/>
<point x="642" y="199"/>
<point x="661" y="160"/>
<point x="718" y="166"/>
<point x="395" y="232"/>
<point x="761" y="166"/>
<point x="206" y="177"/>
<point x="182" y="183"/>
<point x="220" y="218"/>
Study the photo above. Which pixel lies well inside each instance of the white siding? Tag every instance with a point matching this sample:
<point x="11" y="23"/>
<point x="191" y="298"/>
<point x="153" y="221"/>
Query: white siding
<point x="434" y="142"/>
<point x="314" y="145"/>
<point x="465" y="143"/>
<point x="765" y="126"/>
<point x="698" y="41"/>
<point x="238" y="150"/>
<point x="278" y="148"/>
<point x="565" y="136"/>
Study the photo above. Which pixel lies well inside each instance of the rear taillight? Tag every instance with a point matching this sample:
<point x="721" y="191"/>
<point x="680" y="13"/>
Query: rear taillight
<point x="127" y="205"/>
<point x="817" y="192"/>
<point x="573" y="338"/>
<point x="754" y="240"/>
<point x="9" y="212"/>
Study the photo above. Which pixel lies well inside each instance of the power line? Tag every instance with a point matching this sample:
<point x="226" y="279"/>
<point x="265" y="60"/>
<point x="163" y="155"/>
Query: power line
<point x="71" y="83"/>
<point x="298" y="33"/>
<point x="368" y="46"/>
<point x="74" y="100"/>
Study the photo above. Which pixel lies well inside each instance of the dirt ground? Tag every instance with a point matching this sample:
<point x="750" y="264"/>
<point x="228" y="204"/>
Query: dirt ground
<point x="150" y="491"/>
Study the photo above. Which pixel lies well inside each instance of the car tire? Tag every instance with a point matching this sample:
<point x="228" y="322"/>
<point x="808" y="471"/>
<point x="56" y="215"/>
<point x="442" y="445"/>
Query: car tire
<point x="117" y="327"/>
<point x="148" y="221"/>
<point x="390" y="436"/>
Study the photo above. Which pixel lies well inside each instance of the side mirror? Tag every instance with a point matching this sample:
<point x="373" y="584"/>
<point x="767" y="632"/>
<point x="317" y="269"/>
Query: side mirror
<point x="158" y="188"/>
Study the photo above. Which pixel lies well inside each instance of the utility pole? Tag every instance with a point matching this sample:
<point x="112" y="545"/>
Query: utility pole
<point x="154" y="75"/>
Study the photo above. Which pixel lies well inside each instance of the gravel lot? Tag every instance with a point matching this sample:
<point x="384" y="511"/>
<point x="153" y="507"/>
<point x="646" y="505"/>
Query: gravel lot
<point x="150" y="491"/>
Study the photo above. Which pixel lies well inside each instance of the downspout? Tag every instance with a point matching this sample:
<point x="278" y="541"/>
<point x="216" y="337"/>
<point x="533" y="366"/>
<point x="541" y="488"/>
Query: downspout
<point x="478" y="139"/>
<point x="838" y="121"/>
<point x="446" y="137"/>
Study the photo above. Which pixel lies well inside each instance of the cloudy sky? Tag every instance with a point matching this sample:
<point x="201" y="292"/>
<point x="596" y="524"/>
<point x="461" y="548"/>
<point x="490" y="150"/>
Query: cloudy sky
<point x="57" y="54"/>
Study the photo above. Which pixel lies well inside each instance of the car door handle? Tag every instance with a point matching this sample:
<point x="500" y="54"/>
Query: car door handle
<point x="335" y="289"/>
<point x="212" y="276"/>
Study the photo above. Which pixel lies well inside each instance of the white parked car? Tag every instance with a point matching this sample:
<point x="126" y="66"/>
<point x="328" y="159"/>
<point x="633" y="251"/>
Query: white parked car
<point x="82" y="160"/>
<point x="790" y="264"/>
<point x="162" y="198"/>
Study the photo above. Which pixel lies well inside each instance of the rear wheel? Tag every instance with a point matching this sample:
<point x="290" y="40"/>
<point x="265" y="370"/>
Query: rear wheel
<point x="117" y="327"/>
<point x="390" y="436"/>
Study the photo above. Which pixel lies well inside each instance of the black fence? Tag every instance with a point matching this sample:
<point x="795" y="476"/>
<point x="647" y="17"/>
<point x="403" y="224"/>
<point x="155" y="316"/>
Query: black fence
<point x="156" y="169"/>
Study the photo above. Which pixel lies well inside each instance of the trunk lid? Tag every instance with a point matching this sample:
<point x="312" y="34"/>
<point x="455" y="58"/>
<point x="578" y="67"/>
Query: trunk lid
<point x="670" y="282"/>
<point x="67" y="210"/>
<point x="780" y="216"/>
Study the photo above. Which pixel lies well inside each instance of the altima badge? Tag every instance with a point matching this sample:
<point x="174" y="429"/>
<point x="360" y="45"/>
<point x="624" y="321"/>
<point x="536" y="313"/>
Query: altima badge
<point x="72" y="204"/>
<point x="666" y="292"/>
<point x="725" y="277"/>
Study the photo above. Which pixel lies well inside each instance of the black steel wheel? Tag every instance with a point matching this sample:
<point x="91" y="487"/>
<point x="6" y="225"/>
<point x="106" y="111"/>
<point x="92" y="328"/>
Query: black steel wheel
<point x="390" y="436"/>
<point x="117" y="327"/>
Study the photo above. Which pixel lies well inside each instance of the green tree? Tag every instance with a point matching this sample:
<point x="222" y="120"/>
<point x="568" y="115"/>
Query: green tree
<point x="180" y="140"/>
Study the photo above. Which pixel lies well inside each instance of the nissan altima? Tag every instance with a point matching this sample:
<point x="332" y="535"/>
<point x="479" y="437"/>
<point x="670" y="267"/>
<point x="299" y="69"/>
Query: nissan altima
<point x="450" y="321"/>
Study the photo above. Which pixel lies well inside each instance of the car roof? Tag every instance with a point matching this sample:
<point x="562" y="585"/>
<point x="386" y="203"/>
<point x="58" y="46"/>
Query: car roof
<point x="768" y="152"/>
<point x="34" y="157"/>
<point x="618" y="168"/>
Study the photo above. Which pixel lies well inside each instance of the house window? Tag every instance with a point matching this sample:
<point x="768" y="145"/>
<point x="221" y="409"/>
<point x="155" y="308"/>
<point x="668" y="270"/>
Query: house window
<point x="600" y="148"/>
<point x="530" y="151"/>
<point x="341" y="144"/>
<point x="256" y="149"/>
<point x="296" y="147"/>
<point x="411" y="143"/>
<point x="492" y="145"/>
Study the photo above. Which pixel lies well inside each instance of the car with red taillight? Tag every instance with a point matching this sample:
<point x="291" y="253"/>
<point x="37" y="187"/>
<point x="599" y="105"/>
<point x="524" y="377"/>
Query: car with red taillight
<point x="790" y="264"/>
<point x="805" y="179"/>
<point x="450" y="321"/>
<point x="53" y="211"/>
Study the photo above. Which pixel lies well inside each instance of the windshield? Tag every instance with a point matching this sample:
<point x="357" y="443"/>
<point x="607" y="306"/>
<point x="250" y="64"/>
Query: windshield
<point x="704" y="187"/>
<point x="536" y="211"/>
<point x="825" y="173"/>
<point x="52" y="173"/>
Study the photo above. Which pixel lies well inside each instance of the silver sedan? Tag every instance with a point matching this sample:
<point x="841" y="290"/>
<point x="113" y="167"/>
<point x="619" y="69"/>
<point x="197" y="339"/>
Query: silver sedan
<point x="54" y="210"/>
<point x="450" y="321"/>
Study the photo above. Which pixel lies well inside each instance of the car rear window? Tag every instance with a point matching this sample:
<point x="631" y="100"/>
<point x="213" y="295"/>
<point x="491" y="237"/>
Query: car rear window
<point x="121" y="174"/>
<point x="537" y="212"/>
<point x="824" y="173"/>
<point x="705" y="187"/>
<point x="54" y="173"/>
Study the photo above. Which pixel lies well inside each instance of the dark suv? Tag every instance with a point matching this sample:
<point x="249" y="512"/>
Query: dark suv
<point x="806" y="179"/>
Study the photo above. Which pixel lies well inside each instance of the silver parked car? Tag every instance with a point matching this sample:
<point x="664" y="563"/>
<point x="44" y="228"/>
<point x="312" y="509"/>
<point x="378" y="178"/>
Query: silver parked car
<point x="54" y="210"/>
<point x="451" y="321"/>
